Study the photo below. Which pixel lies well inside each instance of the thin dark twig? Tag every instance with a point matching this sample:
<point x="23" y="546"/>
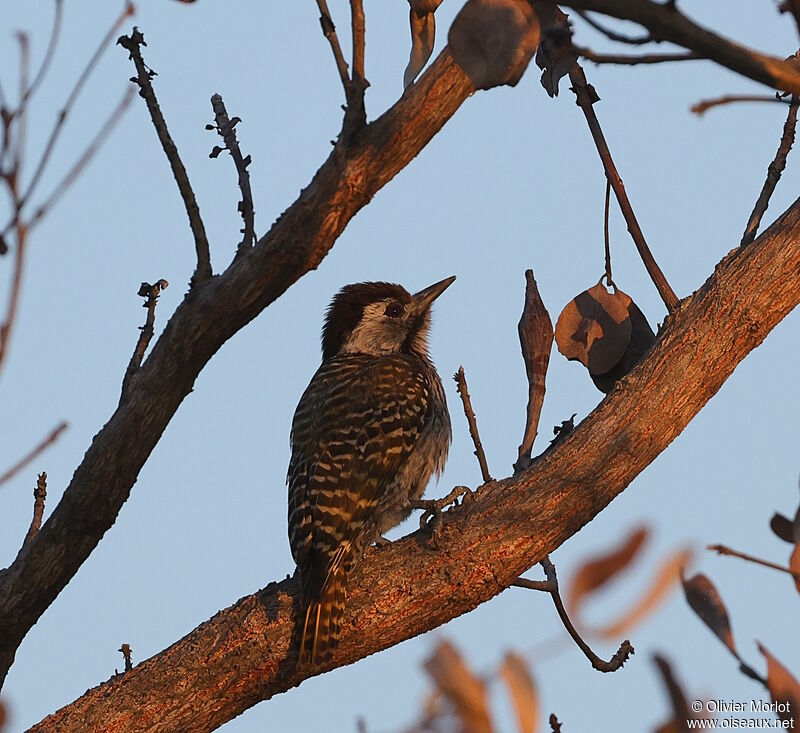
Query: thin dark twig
<point x="461" y="386"/>
<point x="45" y="443"/>
<point x="551" y="586"/>
<point x="151" y="293"/>
<point x="555" y="726"/>
<point x="227" y="131"/>
<point x="636" y="60"/>
<point x="704" y="105"/>
<point x="724" y="550"/>
<point x="39" y="496"/>
<point x="356" y="115"/>
<point x="606" y="237"/>
<point x="586" y="96"/>
<point x="773" y="173"/>
<point x="613" y="35"/>
<point x="81" y="163"/>
<point x="144" y="75"/>
<point x="359" y="38"/>
<point x="19" y="138"/>
<point x="48" y="57"/>
<point x="793" y="7"/>
<point x="329" y="31"/>
<point x="127" y="11"/>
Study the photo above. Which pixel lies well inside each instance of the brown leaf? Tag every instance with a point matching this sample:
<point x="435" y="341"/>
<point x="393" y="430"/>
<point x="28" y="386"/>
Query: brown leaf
<point x="523" y="691"/>
<point x="677" y="698"/>
<point x="704" y="599"/>
<point x="784" y="689"/>
<point x="595" y="328"/>
<point x="642" y="338"/>
<point x="465" y="692"/>
<point x="424" y="6"/>
<point x="597" y="571"/>
<point x="493" y="40"/>
<point x="782" y="527"/>
<point x="794" y="564"/>
<point x="668" y="574"/>
<point x="555" y="55"/>
<point x="423" y="35"/>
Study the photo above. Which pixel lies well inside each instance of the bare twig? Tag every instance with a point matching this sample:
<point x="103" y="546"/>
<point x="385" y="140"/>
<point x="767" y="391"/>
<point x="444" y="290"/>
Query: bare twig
<point x="724" y="550"/>
<point x="7" y="325"/>
<point x="151" y="293"/>
<point x="143" y="78"/>
<point x="33" y="454"/>
<point x="80" y="164"/>
<point x="227" y="131"/>
<point x="586" y="97"/>
<point x="606" y="237"/>
<point x="329" y="31"/>
<point x="48" y="57"/>
<point x="126" y="654"/>
<point x="551" y="586"/>
<point x="704" y="105"/>
<point x="635" y="60"/>
<point x="356" y="115"/>
<point x="536" y="340"/>
<point x="613" y="35"/>
<point x="793" y="7"/>
<point x="39" y="496"/>
<point x="127" y="11"/>
<point x="555" y="726"/>
<point x="461" y="386"/>
<point x="773" y="173"/>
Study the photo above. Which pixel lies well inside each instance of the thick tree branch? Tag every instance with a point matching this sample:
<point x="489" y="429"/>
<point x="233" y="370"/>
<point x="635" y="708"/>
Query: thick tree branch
<point x="665" y="22"/>
<point x="296" y="243"/>
<point x="406" y="588"/>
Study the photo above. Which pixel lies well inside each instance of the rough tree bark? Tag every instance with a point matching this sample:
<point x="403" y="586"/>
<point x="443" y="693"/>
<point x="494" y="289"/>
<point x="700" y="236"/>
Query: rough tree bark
<point x="244" y="654"/>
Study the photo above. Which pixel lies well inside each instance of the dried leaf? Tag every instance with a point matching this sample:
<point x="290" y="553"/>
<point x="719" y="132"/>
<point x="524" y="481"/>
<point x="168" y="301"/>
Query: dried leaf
<point x="642" y="338"/>
<point x="597" y="571"/>
<point x="782" y="527"/>
<point x="677" y="697"/>
<point x="669" y="573"/>
<point x="555" y="55"/>
<point x="595" y="328"/>
<point x="494" y="40"/>
<point x="523" y="691"/>
<point x="465" y="692"/>
<point x="423" y="36"/>
<point x="784" y="689"/>
<point x="794" y="564"/>
<point x="706" y="602"/>
<point x="424" y="6"/>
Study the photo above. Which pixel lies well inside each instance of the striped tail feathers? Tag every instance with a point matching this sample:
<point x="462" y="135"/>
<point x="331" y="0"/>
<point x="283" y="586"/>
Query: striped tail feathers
<point x="322" y="620"/>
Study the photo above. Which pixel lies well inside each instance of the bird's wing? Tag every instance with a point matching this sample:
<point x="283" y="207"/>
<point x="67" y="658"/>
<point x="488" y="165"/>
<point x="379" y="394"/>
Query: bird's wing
<point x="354" y="426"/>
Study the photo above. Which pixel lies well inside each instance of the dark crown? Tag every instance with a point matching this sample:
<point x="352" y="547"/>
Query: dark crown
<point x="347" y="307"/>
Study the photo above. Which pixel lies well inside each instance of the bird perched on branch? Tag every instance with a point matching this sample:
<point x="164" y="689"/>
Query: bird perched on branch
<point x="369" y="431"/>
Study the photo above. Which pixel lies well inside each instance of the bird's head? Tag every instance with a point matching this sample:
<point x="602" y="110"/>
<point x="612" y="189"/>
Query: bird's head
<point x="379" y="318"/>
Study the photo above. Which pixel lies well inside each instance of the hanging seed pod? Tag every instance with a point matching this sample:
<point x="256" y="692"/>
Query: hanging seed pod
<point x="606" y="332"/>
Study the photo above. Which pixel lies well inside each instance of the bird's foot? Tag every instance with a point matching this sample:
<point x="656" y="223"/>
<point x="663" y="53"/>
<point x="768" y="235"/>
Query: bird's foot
<point x="432" y="509"/>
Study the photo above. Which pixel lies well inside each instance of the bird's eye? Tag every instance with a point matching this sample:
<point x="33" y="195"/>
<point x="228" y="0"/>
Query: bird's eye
<point x="394" y="310"/>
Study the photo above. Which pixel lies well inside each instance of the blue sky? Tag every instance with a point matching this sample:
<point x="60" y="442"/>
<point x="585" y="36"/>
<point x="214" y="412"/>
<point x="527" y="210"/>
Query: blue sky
<point x="513" y="181"/>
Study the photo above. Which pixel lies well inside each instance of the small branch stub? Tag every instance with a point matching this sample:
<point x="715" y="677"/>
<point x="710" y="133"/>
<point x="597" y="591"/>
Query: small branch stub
<point x="461" y="385"/>
<point x="39" y="497"/>
<point x="126" y="651"/>
<point x="536" y="341"/>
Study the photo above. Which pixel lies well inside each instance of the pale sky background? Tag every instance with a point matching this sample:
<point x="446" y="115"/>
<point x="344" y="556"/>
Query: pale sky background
<point x="513" y="181"/>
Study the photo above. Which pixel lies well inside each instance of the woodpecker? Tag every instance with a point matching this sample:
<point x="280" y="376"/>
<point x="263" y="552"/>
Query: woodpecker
<point x="370" y="430"/>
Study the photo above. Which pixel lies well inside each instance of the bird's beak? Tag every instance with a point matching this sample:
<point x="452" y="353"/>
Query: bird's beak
<point x="423" y="299"/>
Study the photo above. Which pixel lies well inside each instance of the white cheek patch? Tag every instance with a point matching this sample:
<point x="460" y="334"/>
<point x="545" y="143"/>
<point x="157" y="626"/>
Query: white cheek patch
<point x="375" y="332"/>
